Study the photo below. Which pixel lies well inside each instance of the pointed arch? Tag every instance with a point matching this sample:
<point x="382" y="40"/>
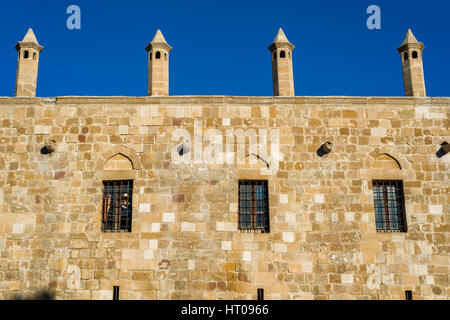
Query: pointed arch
<point x="389" y="151"/>
<point x="386" y="161"/>
<point x="128" y="153"/>
<point x="255" y="164"/>
<point x="255" y="159"/>
<point x="118" y="162"/>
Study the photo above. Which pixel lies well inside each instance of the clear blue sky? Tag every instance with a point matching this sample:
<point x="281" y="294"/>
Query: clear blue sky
<point x="220" y="47"/>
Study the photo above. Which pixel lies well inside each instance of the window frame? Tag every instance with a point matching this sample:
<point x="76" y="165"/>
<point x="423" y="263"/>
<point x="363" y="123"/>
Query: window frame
<point x="255" y="223"/>
<point x="391" y="207"/>
<point x="113" y="218"/>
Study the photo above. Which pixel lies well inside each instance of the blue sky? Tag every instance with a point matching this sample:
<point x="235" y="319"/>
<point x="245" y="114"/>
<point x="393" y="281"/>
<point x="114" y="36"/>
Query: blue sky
<point x="220" y="47"/>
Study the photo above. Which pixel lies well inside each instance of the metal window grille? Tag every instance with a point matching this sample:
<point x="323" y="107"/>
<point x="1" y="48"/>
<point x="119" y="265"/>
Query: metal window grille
<point x="253" y="206"/>
<point x="389" y="204"/>
<point x="116" y="213"/>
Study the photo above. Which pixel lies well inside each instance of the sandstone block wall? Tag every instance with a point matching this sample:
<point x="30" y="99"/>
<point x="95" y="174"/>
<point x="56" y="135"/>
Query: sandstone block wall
<point x="185" y="242"/>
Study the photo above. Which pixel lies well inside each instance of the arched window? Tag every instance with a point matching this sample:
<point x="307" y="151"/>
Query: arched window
<point x="158" y="55"/>
<point x="34" y="56"/>
<point x="282" y="54"/>
<point x="289" y="55"/>
<point x="25" y="54"/>
<point x="414" y="55"/>
<point x="405" y="56"/>
<point x="165" y="56"/>
<point x="150" y="56"/>
<point x="118" y="169"/>
<point x="274" y="56"/>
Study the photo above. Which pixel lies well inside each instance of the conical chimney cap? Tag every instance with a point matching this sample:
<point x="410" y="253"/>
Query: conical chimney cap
<point x="158" y="42"/>
<point x="410" y="41"/>
<point x="281" y="41"/>
<point x="29" y="41"/>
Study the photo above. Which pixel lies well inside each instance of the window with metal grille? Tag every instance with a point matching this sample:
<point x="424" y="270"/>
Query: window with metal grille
<point x="253" y="205"/>
<point x="389" y="203"/>
<point x="116" y="213"/>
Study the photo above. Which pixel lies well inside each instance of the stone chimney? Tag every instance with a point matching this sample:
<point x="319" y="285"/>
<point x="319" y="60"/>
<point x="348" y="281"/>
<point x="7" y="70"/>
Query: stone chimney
<point x="412" y="66"/>
<point x="27" y="65"/>
<point x="158" y="66"/>
<point x="282" y="74"/>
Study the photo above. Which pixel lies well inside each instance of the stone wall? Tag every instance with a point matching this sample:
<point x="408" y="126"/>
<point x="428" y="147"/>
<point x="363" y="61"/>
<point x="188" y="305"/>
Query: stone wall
<point x="185" y="242"/>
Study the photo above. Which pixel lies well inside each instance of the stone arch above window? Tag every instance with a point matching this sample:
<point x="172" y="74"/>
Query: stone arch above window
<point x="389" y="151"/>
<point x="118" y="162"/>
<point x="119" y="155"/>
<point x="386" y="161"/>
<point x="255" y="165"/>
<point x="256" y="159"/>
